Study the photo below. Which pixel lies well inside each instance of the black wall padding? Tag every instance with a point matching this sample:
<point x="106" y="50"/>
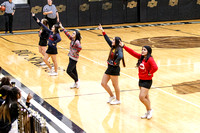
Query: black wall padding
<point x="107" y="12"/>
<point x="188" y="9"/>
<point x="37" y="7"/>
<point x="84" y="13"/>
<point x="118" y="12"/>
<point x="95" y="13"/>
<point x="167" y="12"/>
<point x="21" y="19"/>
<point x="152" y="13"/>
<point x="132" y="14"/>
<point x="72" y="12"/>
<point x="61" y="7"/>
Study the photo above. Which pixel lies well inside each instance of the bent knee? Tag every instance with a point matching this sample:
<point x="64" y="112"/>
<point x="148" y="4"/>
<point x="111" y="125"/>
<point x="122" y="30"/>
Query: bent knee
<point x="103" y="84"/>
<point x="141" y="97"/>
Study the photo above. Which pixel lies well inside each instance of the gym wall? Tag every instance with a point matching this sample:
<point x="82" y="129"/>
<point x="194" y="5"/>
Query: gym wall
<point x="92" y="12"/>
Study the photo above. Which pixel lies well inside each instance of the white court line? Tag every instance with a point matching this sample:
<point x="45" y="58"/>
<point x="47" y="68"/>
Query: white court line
<point x="138" y="80"/>
<point x="49" y="115"/>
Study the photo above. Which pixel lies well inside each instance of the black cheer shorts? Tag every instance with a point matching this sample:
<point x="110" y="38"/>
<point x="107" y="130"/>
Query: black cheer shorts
<point x="43" y="42"/>
<point x="145" y="83"/>
<point x="113" y="70"/>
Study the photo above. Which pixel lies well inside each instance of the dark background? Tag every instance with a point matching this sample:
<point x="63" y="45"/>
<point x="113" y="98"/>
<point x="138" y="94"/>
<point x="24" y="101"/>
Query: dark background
<point x="84" y="12"/>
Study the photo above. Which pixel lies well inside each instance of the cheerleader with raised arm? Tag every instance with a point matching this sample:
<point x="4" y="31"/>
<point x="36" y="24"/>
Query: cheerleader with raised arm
<point x="113" y="70"/>
<point x="147" y="67"/>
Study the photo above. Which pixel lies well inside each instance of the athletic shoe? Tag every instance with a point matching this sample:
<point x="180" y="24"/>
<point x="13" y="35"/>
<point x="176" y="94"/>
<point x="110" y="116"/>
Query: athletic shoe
<point x="78" y="84"/>
<point x="144" y="116"/>
<point x="110" y="99"/>
<point x="150" y="113"/>
<point x="53" y="73"/>
<point x="115" y="102"/>
<point x="42" y="63"/>
<point x="74" y="86"/>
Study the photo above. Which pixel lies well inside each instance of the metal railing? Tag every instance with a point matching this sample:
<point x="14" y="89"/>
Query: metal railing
<point x="29" y="121"/>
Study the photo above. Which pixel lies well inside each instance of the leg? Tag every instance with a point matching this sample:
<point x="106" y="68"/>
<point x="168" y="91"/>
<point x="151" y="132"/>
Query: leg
<point x="6" y="22"/>
<point x="46" y="57"/>
<point x="40" y="49"/>
<point x="115" y="84"/>
<point x="75" y="72"/>
<point x="70" y="68"/>
<point x="53" y="57"/>
<point x="43" y="50"/>
<point x="104" y="83"/>
<point x="10" y="23"/>
<point x="144" y="98"/>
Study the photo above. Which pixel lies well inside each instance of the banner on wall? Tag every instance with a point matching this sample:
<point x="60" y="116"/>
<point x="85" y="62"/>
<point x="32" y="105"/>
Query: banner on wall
<point x="20" y="1"/>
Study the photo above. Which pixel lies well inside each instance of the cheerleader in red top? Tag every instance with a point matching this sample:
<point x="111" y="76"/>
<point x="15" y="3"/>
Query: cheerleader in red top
<point x="113" y="70"/>
<point x="147" y="67"/>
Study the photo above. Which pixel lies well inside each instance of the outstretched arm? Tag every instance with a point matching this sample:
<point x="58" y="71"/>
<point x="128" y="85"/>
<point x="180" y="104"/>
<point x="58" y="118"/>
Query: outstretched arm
<point x="130" y="51"/>
<point x="66" y="32"/>
<point x="105" y="36"/>
<point x="36" y="19"/>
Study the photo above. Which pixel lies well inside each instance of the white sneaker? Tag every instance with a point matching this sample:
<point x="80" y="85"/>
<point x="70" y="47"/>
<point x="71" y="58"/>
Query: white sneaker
<point x="53" y="73"/>
<point x="42" y="63"/>
<point x="144" y="116"/>
<point x="150" y="113"/>
<point x="110" y="99"/>
<point x="78" y="84"/>
<point x="115" y="102"/>
<point x="74" y="86"/>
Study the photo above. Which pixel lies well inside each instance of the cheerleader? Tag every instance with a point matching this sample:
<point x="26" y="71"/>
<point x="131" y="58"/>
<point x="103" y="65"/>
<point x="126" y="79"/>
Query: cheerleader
<point x="54" y="38"/>
<point x="75" y="48"/>
<point x="44" y="35"/>
<point x="147" y="67"/>
<point x="113" y="70"/>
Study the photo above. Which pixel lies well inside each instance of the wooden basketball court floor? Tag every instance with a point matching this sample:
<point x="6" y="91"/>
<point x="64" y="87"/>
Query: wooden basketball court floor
<point x="176" y="106"/>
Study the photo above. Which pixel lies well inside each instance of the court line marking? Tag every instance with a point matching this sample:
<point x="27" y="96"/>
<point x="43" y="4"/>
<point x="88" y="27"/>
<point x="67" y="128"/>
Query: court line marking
<point x="138" y="80"/>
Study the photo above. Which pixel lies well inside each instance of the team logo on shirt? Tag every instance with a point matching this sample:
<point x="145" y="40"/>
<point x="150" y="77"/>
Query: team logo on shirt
<point x="142" y="66"/>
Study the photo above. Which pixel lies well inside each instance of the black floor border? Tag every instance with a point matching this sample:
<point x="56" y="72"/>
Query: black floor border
<point x="47" y="106"/>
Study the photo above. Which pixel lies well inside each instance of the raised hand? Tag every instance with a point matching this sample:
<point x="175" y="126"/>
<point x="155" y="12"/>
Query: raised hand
<point x="100" y="27"/>
<point x="33" y="14"/>
<point x="29" y="97"/>
<point x="61" y="26"/>
<point x="38" y="20"/>
<point x="121" y="44"/>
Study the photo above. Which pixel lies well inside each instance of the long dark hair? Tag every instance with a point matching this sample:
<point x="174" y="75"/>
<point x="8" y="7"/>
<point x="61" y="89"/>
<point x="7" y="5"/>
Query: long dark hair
<point x="5" y="81"/>
<point x="56" y="28"/>
<point x="56" y="31"/>
<point x="45" y="22"/>
<point x="117" y="47"/>
<point x="149" y="51"/>
<point x="11" y="98"/>
<point x="78" y="36"/>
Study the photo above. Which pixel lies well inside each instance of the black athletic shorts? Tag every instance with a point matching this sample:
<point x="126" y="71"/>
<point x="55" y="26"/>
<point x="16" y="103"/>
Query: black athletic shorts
<point x="113" y="70"/>
<point x="145" y="83"/>
<point x="51" y="50"/>
<point x="43" y="42"/>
